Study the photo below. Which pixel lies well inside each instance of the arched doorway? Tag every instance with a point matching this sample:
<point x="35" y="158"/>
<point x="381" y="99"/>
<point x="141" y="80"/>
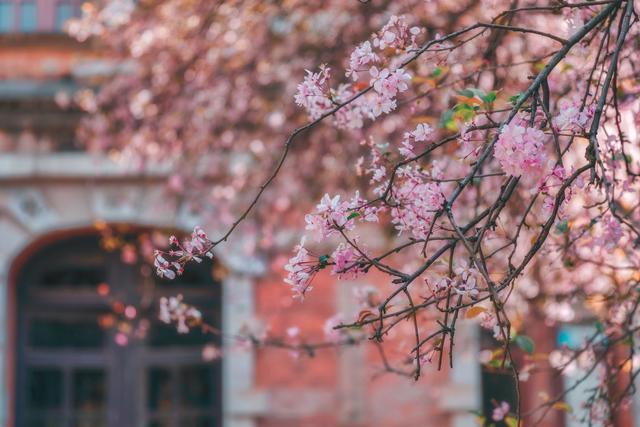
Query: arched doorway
<point x="76" y="304"/>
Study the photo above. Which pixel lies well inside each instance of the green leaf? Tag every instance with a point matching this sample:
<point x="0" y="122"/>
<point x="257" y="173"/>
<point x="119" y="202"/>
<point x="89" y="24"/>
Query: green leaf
<point x="490" y="97"/>
<point x="464" y="111"/>
<point x="353" y="215"/>
<point x="467" y="92"/>
<point x="525" y="343"/>
<point x="437" y="72"/>
<point x="514" y="98"/>
<point x="562" y="226"/>
<point x="599" y="327"/>
<point x="462" y="107"/>
<point x="447" y="122"/>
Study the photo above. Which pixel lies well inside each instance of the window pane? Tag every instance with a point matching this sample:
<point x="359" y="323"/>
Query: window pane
<point x="196" y="388"/>
<point x="161" y="335"/>
<point x="44" y="421"/>
<point x="64" y="12"/>
<point x="28" y="16"/>
<point x="69" y="275"/>
<point x="45" y="388"/>
<point x="7" y="16"/>
<point x="159" y="389"/>
<point x="70" y="333"/>
<point x="89" y="421"/>
<point x="497" y="385"/>
<point x="89" y="391"/>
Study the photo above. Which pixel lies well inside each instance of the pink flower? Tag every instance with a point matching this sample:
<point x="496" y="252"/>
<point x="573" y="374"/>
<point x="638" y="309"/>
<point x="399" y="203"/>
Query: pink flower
<point x="301" y="270"/>
<point x="396" y="34"/>
<point x="520" y="149"/>
<point x="611" y="234"/>
<point x="171" y="263"/>
<point x="466" y="279"/>
<point x="361" y="56"/>
<point x="172" y="309"/>
<point x="311" y="93"/>
<point x="331" y="334"/>
<point x="333" y="214"/>
<point x="346" y="262"/>
<point x="421" y="133"/>
<point x="501" y="411"/>
<point x="571" y="117"/>
<point x="417" y="199"/>
<point x="387" y="83"/>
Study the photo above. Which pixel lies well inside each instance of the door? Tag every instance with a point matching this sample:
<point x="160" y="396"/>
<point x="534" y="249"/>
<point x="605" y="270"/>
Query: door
<point x="92" y="352"/>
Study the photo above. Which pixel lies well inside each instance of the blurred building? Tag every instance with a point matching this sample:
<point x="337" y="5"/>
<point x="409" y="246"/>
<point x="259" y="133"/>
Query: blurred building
<point x="79" y="343"/>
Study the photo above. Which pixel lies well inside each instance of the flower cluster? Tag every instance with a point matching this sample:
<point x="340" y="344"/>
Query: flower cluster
<point x="500" y="411"/>
<point x="172" y="309"/>
<point x="301" y="269"/>
<point x="489" y="322"/>
<point x="417" y="198"/>
<point x="389" y="83"/>
<point x="333" y="214"/>
<point x="611" y="234"/>
<point x="360" y="57"/>
<point x="314" y="95"/>
<point x="572" y="117"/>
<point x="520" y="149"/>
<point x="347" y="262"/>
<point x="171" y="263"/>
<point x="421" y="133"/>
<point x="396" y="34"/>
<point x="466" y="280"/>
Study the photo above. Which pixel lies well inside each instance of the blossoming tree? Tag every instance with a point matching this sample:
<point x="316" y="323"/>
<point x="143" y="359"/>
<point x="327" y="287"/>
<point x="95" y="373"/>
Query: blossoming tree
<point x="493" y="145"/>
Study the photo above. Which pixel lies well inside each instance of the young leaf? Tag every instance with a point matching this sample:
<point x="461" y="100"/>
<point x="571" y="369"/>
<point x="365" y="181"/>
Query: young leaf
<point x="562" y="406"/>
<point x="525" y="343"/>
<point x="353" y="215"/>
<point x="511" y="421"/>
<point x="475" y="312"/>
<point x="490" y="97"/>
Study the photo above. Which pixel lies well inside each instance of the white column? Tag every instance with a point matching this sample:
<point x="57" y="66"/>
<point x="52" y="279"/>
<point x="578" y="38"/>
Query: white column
<point x="241" y="404"/>
<point x="463" y="393"/>
<point x="352" y="374"/>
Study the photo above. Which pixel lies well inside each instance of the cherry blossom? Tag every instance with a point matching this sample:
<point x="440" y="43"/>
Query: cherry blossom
<point x="492" y="160"/>
<point x="174" y="310"/>
<point x="346" y="262"/>
<point x="520" y="149"/>
<point x="572" y="117"/>
<point x="466" y="280"/>
<point x="500" y="411"/>
<point x="312" y="93"/>
<point x="171" y="263"/>
<point x="418" y="199"/>
<point x="301" y="270"/>
<point x="361" y="56"/>
<point x="334" y="215"/>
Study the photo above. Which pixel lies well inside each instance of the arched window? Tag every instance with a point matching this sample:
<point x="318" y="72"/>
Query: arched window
<point x="76" y="305"/>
